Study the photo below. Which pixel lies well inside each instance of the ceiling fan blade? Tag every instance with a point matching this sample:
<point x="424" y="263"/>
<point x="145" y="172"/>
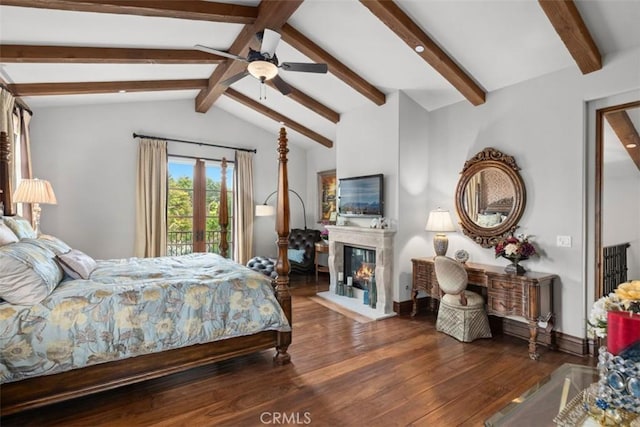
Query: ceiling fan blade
<point x="270" y="40"/>
<point x="231" y="80"/>
<point x="304" y="67"/>
<point x="219" y="52"/>
<point x="282" y="86"/>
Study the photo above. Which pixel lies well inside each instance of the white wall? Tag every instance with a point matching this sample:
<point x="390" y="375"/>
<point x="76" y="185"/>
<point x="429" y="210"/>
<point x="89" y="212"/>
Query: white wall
<point x="412" y="240"/>
<point x="89" y="155"/>
<point x="542" y="124"/>
<point x="367" y="144"/>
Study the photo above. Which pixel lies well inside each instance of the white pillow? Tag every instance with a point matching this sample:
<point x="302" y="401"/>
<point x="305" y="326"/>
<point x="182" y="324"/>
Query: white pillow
<point x="488" y="220"/>
<point x="6" y="235"/>
<point x="19" y="284"/>
<point x="28" y="273"/>
<point x="77" y="264"/>
<point x="20" y="227"/>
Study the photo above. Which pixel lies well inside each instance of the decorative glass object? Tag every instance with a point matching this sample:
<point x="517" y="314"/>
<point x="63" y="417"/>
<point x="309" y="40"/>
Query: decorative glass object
<point x="618" y="387"/>
<point x="373" y="295"/>
<point x="366" y="295"/>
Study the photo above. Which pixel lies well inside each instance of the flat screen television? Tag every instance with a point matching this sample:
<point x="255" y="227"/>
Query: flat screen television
<point x="361" y="196"/>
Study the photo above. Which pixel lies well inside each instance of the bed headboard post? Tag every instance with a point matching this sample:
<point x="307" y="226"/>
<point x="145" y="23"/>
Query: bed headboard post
<point x="5" y="174"/>
<point x="282" y="264"/>
<point x="223" y="210"/>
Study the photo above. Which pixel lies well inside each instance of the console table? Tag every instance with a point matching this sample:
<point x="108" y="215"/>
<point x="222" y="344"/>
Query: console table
<point x="529" y="295"/>
<point x="321" y="248"/>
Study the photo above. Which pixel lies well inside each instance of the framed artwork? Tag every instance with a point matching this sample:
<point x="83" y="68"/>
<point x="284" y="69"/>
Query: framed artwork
<point x="327" y="196"/>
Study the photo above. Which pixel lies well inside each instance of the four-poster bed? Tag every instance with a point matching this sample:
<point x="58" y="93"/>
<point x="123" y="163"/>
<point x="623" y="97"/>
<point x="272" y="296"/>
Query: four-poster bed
<point x="42" y="390"/>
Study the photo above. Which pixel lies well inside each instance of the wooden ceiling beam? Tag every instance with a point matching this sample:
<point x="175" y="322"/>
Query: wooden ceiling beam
<point x="183" y="9"/>
<point x="404" y="27"/>
<point x="307" y="101"/>
<point x="627" y="133"/>
<point x="274" y="115"/>
<point x="566" y="20"/>
<point x="272" y="14"/>
<point x="301" y="43"/>
<point x="106" y="55"/>
<point x="43" y="89"/>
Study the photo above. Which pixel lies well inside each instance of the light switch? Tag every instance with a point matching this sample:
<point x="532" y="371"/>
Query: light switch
<point x="563" y="241"/>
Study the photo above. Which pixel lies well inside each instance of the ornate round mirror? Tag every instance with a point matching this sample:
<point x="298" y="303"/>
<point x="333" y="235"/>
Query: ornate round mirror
<point x="490" y="197"/>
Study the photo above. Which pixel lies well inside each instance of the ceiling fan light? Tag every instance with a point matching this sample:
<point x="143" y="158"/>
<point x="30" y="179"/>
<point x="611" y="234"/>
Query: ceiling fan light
<point x="262" y="70"/>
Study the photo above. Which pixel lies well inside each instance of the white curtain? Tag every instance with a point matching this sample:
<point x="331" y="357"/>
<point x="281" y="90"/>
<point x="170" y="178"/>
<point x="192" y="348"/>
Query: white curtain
<point x="151" y="199"/>
<point x="243" y="208"/>
<point x="7" y="102"/>
<point x="472" y="196"/>
<point x="25" y="155"/>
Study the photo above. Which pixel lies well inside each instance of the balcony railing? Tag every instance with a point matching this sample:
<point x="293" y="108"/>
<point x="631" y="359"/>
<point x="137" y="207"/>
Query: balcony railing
<point x="181" y="242"/>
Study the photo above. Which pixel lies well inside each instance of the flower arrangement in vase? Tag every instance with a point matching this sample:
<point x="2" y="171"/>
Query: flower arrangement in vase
<point x="324" y="233"/>
<point x="515" y="249"/>
<point x="616" y="318"/>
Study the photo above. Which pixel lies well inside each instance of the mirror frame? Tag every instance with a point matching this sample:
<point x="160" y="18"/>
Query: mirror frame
<point x="490" y="158"/>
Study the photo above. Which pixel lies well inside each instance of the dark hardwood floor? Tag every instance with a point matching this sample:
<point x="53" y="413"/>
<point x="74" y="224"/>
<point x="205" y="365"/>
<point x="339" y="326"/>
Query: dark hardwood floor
<point x="394" y="372"/>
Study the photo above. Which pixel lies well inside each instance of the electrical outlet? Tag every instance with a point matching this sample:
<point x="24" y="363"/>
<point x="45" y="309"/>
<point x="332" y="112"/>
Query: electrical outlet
<point x="563" y="241"/>
<point x="406" y="287"/>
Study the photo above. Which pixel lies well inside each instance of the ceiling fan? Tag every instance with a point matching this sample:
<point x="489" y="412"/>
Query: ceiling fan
<point x="263" y="64"/>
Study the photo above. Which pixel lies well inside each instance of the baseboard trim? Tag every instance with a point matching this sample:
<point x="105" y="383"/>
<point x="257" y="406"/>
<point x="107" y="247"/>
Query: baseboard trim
<point x="564" y="342"/>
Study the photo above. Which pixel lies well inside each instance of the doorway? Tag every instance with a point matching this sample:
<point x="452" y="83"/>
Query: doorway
<point x="193" y="204"/>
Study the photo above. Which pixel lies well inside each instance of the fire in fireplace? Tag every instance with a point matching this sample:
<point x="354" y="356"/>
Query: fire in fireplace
<point x="360" y="264"/>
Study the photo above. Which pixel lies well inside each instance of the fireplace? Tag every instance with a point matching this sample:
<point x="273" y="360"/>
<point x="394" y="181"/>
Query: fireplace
<point x="359" y="264"/>
<point x="374" y="246"/>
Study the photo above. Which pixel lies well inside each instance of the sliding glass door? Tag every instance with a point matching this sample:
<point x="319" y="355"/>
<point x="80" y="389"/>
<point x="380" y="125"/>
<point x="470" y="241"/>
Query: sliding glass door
<point x="193" y="204"/>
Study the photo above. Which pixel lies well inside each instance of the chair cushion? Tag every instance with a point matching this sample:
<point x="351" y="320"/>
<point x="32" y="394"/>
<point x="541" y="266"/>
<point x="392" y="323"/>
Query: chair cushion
<point x="304" y="240"/>
<point x="474" y="300"/>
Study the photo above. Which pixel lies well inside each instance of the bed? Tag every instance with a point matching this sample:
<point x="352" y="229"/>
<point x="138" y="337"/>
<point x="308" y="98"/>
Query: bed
<point x="120" y="324"/>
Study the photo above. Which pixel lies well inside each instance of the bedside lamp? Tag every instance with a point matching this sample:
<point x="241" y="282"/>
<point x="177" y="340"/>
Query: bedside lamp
<point x="35" y="191"/>
<point x="440" y="221"/>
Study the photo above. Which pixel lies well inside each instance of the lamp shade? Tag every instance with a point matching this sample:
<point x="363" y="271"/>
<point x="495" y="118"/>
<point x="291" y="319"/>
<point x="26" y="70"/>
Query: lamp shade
<point x="265" y="210"/>
<point x="35" y="191"/>
<point x="262" y="70"/>
<point x="440" y="221"/>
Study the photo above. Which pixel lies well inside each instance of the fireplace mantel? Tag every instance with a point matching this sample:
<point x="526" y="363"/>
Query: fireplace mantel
<point x="379" y="239"/>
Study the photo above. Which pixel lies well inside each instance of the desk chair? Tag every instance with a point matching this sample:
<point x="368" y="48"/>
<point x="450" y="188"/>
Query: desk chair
<point x="461" y="314"/>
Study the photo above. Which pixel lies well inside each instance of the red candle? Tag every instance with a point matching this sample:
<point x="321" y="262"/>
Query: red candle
<point x="623" y="330"/>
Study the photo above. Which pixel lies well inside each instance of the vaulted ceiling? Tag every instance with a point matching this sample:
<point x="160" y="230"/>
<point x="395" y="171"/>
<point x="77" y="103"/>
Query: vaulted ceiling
<point x="72" y="52"/>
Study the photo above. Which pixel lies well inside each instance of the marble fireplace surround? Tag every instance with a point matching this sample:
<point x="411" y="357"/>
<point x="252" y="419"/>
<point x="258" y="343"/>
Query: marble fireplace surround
<point x="381" y="240"/>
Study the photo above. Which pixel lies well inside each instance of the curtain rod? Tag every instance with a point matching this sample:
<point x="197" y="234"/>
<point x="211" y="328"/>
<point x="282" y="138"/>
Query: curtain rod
<point x="135" y="135"/>
<point x="180" y="156"/>
<point x="19" y="102"/>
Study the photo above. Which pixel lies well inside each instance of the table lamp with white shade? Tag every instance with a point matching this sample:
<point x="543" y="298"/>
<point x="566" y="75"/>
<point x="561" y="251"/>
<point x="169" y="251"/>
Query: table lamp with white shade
<point x="35" y="191"/>
<point x="440" y="221"/>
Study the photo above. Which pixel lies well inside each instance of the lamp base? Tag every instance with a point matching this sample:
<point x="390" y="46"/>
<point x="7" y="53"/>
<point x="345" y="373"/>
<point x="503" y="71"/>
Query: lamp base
<point x="440" y="244"/>
<point x="36" y="210"/>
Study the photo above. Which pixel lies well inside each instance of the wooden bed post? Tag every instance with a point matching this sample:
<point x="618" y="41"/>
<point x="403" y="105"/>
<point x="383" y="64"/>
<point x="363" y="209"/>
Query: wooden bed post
<point x="5" y="174"/>
<point x="223" y="210"/>
<point x="282" y="264"/>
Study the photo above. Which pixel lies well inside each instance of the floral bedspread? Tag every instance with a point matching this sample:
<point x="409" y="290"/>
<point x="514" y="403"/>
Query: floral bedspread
<point x="132" y="307"/>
